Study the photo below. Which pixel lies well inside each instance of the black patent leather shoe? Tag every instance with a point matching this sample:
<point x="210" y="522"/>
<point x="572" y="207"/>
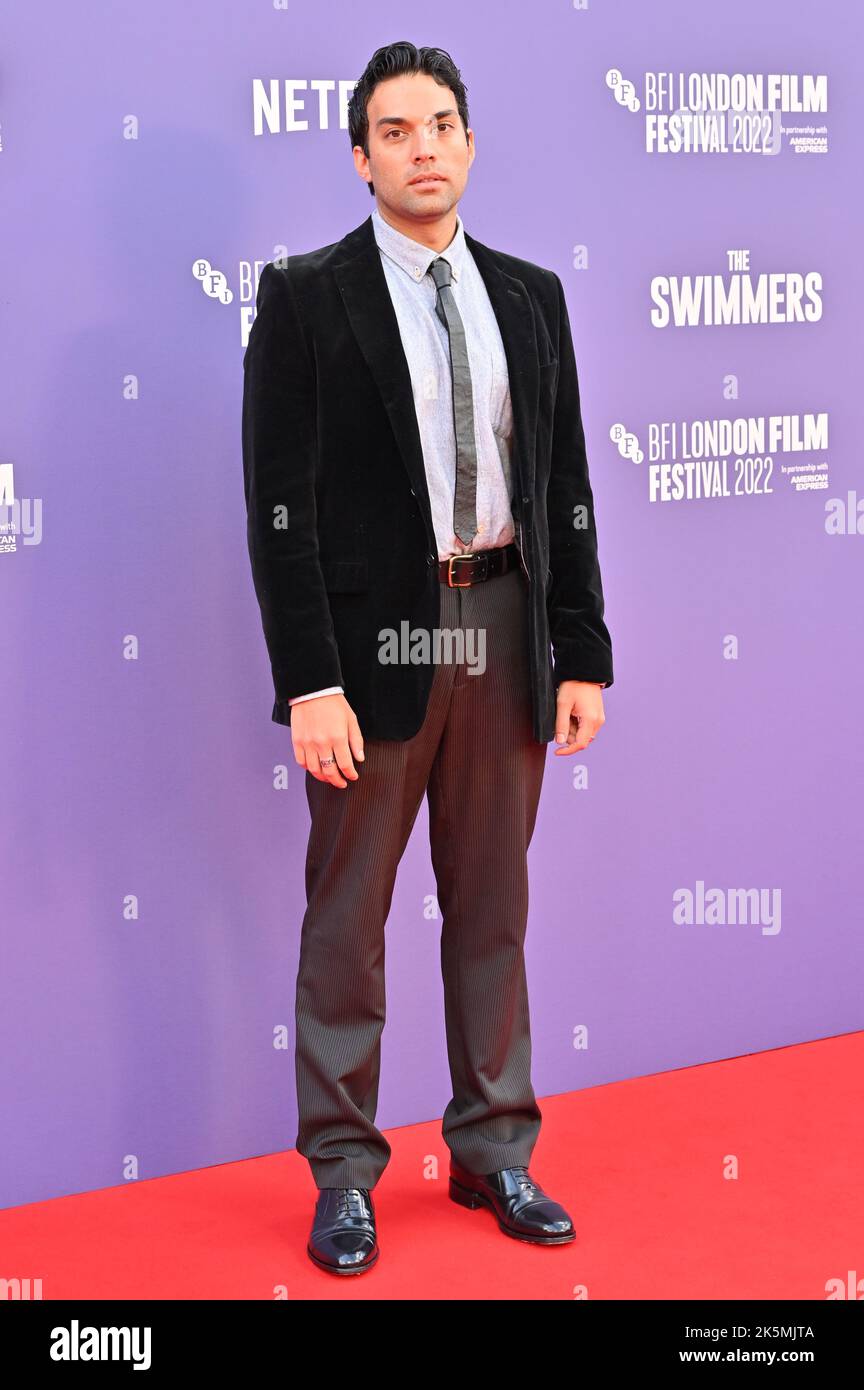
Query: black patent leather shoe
<point x="522" y="1208"/>
<point x="343" y="1238"/>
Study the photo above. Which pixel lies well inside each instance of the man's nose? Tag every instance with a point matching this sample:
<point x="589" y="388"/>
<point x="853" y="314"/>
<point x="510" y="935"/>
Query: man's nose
<point x="425" y="137"/>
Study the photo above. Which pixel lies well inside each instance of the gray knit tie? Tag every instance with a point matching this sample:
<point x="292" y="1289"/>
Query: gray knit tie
<point x="465" y="498"/>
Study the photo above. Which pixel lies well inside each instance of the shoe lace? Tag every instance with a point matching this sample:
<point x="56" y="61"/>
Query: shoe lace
<point x="527" y="1183"/>
<point x="352" y="1202"/>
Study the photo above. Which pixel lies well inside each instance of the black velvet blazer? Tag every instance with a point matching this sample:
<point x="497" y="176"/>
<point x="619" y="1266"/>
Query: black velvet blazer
<point x="339" y="524"/>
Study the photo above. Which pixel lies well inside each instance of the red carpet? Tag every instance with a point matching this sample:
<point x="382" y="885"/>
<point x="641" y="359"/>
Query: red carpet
<point x="639" y="1165"/>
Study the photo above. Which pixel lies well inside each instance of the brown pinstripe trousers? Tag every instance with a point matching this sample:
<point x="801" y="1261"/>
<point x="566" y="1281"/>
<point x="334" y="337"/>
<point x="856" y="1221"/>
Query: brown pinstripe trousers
<point x="477" y="761"/>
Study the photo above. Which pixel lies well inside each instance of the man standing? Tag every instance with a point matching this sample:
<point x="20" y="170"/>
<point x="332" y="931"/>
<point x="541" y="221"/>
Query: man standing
<point x="416" y="481"/>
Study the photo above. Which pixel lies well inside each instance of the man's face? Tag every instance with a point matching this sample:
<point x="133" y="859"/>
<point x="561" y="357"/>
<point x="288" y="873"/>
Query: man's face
<point x="415" y="133"/>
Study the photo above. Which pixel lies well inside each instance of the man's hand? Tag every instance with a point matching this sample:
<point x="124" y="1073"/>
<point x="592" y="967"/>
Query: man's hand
<point x="327" y="727"/>
<point x="579" y="714"/>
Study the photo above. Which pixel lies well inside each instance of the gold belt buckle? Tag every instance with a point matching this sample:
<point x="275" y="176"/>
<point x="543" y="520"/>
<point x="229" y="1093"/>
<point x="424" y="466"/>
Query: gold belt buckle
<point x="473" y="558"/>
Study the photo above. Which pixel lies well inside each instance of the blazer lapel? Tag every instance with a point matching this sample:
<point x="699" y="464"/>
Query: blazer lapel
<point x="366" y="296"/>
<point x="512" y="308"/>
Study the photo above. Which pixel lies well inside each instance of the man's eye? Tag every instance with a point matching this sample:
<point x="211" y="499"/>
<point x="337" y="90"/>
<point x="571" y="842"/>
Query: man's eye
<point x="442" y="125"/>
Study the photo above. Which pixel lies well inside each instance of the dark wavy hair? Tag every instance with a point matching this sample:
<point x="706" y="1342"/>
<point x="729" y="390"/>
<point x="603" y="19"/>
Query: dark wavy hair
<point x="394" y="60"/>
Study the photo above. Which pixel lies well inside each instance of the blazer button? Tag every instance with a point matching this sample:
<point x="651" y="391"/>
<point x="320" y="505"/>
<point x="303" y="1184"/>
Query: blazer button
<point x="431" y="559"/>
<point x="526" y="499"/>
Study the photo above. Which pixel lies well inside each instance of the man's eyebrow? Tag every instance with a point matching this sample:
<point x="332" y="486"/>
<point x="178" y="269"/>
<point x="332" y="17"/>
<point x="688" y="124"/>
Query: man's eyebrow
<point x="403" y="120"/>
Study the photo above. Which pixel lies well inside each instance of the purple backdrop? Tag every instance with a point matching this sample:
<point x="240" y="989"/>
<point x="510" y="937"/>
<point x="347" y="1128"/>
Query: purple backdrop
<point x="141" y="763"/>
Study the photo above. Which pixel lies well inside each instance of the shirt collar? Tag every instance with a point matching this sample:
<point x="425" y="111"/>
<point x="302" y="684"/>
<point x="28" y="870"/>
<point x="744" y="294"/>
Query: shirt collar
<point x="414" y="258"/>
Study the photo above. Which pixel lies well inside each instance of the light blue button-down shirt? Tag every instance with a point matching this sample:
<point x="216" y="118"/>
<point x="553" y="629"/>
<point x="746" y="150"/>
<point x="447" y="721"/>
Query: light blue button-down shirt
<point x="426" y="346"/>
<point x="427" y="350"/>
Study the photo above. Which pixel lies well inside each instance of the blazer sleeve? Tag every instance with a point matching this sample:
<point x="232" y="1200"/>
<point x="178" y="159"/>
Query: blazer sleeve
<point x="279" y="455"/>
<point x="581" y="645"/>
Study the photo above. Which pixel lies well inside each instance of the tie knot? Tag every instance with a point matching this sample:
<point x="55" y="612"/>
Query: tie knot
<point x="440" y="271"/>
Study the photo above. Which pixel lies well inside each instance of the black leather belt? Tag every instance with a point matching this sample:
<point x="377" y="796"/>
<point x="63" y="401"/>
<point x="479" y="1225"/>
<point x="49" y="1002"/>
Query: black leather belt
<point x="461" y="571"/>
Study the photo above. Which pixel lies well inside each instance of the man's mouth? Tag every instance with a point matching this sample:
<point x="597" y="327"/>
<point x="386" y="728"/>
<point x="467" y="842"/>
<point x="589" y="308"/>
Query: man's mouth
<point x="427" y="178"/>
